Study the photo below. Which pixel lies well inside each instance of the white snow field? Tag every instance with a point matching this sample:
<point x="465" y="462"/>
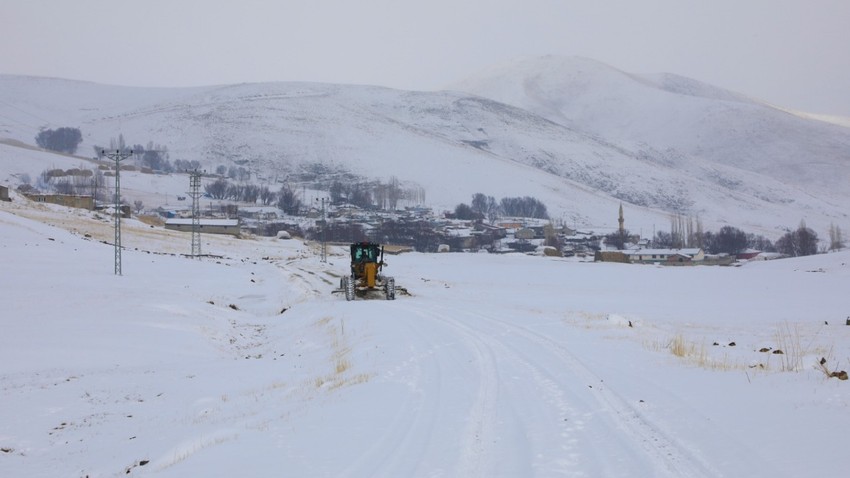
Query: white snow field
<point x="246" y="364"/>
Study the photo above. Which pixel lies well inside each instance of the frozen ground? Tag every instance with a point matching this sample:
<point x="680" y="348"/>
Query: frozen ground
<point x="246" y="365"/>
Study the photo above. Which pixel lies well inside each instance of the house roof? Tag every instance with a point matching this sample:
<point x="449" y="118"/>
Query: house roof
<point x="459" y="232"/>
<point x="203" y="222"/>
<point x="689" y="252"/>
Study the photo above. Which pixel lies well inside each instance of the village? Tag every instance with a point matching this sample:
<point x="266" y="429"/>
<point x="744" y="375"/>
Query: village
<point x="409" y="229"/>
<point x="421" y="229"/>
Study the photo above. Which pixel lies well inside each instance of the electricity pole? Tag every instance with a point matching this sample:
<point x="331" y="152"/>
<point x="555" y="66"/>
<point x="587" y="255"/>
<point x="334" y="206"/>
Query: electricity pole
<point x="324" y="227"/>
<point x="117" y="156"/>
<point x="195" y="192"/>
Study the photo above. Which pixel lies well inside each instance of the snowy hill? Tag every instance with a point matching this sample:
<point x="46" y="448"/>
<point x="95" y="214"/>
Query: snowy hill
<point x="678" y="121"/>
<point x="581" y="158"/>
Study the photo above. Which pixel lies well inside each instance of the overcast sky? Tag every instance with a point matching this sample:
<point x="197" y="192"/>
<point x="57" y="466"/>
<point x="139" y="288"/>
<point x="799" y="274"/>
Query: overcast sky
<point x="794" y="53"/>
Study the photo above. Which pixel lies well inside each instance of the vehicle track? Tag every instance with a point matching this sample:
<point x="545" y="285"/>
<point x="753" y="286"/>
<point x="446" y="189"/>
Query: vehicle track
<point x="527" y="385"/>
<point x="440" y="417"/>
<point x="477" y="437"/>
<point x="595" y="428"/>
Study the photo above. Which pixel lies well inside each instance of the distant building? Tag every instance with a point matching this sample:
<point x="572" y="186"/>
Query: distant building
<point x="611" y="256"/>
<point x="510" y="225"/>
<point x="81" y="202"/>
<point x="526" y="233"/>
<point x="667" y="256"/>
<point x="460" y="238"/>
<point x="496" y="232"/>
<point x="207" y="226"/>
<point x="4" y="194"/>
<point x="748" y="254"/>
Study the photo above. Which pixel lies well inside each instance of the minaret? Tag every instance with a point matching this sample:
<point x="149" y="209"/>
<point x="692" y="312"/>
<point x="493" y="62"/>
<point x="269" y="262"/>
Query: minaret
<point x="621" y="220"/>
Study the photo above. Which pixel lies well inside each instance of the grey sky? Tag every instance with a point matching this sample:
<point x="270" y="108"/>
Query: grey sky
<point x="794" y="53"/>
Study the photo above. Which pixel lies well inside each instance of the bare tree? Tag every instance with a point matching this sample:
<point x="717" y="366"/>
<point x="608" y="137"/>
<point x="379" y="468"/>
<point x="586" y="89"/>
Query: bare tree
<point x="802" y="242"/>
<point x="552" y="238"/>
<point x="698" y="236"/>
<point x="464" y="212"/>
<point x="64" y="140"/>
<point x="730" y="240"/>
<point x="479" y="203"/>
<point x="267" y="196"/>
<point x="394" y="193"/>
<point x="836" y="242"/>
<point x="64" y="186"/>
<point x="217" y="189"/>
<point x="618" y="239"/>
<point x="678" y="235"/>
<point x="807" y="240"/>
<point x="759" y="242"/>
<point x="288" y="201"/>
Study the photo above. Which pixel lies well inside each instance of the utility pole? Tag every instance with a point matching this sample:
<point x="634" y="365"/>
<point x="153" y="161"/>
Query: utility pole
<point x="94" y="189"/>
<point x="195" y="192"/>
<point x="117" y="156"/>
<point x="324" y="227"/>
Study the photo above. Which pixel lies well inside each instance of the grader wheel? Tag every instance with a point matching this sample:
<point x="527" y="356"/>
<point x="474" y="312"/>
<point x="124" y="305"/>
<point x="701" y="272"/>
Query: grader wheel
<point x="348" y="287"/>
<point x="389" y="288"/>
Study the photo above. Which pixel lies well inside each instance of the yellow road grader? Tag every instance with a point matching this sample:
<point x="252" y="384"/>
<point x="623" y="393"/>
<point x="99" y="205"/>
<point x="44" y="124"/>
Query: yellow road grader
<point x="365" y="279"/>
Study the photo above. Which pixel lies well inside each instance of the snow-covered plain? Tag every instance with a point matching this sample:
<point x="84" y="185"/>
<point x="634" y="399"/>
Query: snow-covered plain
<point x="246" y="364"/>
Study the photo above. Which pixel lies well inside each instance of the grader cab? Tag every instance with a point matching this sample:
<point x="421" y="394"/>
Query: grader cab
<point x="365" y="279"/>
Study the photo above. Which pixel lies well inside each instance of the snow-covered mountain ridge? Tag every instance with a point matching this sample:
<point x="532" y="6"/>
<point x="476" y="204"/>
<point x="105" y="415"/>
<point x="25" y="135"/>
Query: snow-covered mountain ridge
<point x="666" y="112"/>
<point x="581" y="142"/>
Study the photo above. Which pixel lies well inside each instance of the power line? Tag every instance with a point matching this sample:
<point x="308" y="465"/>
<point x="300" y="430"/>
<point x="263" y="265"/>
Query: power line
<point x="18" y="122"/>
<point x="10" y="105"/>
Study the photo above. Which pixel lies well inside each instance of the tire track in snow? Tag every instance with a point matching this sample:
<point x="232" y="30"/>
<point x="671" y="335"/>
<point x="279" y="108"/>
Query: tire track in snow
<point x="311" y="283"/>
<point x="544" y="415"/>
<point x="416" y="444"/>
<point x="666" y="457"/>
<point x="408" y="434"/>
<point x="476" y="454"/>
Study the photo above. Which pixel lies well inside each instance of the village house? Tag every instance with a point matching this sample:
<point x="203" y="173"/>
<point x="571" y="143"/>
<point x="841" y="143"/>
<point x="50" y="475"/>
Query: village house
<point x="611" y="256"/>
<point x="495" y="232"/>
<point x="4" y="194"/>
<point x="748" y="254"/>
<point x="256" y="219"/>
<point x="206" y="226"/>
<point x="460" y="238"/>
<point x="667" y="256"/>
<point x="81" y="202"/>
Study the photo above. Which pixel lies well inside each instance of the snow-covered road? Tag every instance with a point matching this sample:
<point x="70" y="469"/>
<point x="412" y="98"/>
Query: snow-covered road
<point x="509" y="366"/>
